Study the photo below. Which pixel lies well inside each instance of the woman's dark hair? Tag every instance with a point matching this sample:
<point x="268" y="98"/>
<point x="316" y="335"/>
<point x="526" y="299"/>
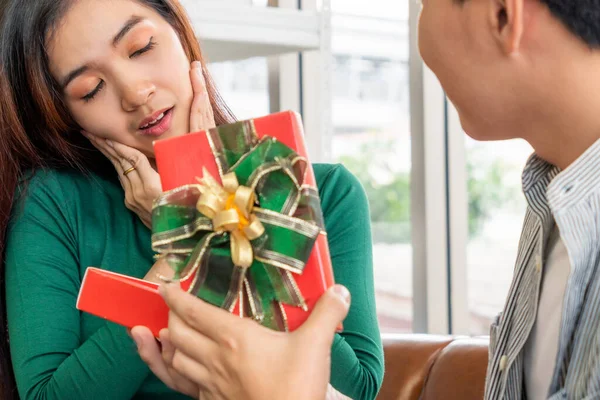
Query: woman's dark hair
<point x="36" y="130"/>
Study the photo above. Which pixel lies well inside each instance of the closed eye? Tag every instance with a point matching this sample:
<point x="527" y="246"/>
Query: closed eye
<point x="151" y="44"/>
<point x="94" y="92"/>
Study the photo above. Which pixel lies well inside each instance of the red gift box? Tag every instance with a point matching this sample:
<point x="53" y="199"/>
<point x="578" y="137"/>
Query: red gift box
<point x="181" y="160"/>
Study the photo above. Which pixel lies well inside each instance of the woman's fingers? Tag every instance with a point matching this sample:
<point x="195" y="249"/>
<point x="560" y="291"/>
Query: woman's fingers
<point x="103" y="147"/>
<point x="135" y="158"/>
<point x="201" y="112"/>
<point x="140" y="182"/>
<point x="110" y="154"/>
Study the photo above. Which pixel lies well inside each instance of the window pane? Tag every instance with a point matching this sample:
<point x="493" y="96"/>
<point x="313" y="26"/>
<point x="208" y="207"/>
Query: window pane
<point x="496" y="212"/>
<point x="371" y="120"/>
<point x="386" y="9"/>
<point x="244" y="85"/>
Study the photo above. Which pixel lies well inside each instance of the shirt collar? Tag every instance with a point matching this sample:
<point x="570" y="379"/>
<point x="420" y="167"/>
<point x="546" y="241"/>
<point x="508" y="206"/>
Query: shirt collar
<point x="566" y="188"/>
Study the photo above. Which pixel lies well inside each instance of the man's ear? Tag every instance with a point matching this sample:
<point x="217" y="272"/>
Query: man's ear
<point x="506" y="18"/>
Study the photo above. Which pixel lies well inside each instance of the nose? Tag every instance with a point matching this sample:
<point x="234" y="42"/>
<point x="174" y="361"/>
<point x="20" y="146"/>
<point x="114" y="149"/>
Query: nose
<point x="136" y="94"/>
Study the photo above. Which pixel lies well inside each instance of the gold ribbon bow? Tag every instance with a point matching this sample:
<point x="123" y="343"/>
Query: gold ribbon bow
<point x="230" y="207"/>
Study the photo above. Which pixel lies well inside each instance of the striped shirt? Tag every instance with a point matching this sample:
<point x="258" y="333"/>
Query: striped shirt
<point x="570" y="198"/>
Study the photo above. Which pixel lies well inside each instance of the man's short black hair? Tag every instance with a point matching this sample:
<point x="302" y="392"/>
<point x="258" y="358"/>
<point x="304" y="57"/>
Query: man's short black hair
<point x="581" y="17"/>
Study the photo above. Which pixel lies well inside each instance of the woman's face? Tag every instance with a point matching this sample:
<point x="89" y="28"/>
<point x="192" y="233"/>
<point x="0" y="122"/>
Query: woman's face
<point x="122" y="66"/>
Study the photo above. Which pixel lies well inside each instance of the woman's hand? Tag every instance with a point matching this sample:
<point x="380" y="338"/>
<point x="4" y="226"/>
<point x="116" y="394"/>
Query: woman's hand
<point x="231" y="358"/>
<point x="159" y="272"/>
<point x="201" y="112"/>
<point x="138" y="178"/>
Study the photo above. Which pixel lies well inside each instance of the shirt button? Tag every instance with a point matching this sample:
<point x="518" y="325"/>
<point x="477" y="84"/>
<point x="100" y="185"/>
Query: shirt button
<point x="538" y="263"/>
<point x="503" y="362"/>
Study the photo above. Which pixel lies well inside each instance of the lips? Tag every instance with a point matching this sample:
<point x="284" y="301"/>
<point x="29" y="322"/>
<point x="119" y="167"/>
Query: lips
<point x="157" y="123"/>
<point x="152" y="119"/>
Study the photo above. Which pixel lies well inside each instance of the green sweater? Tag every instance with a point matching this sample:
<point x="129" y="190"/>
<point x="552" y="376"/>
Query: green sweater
<point x="68" y="221"/>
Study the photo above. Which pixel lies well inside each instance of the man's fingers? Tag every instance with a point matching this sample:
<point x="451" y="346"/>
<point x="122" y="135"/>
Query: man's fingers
<point x="168" y="350"/>
<point x="168" y="353"/>
<point x="191" y="369"/>
<point x="190" y="341"/>
<point x="329" y="312"/>
<point x="150" y="352"/>
<point x="211" y="321"/>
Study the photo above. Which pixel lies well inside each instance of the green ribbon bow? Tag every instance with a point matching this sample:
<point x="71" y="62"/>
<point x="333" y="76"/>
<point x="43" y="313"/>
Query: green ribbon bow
<point x="288" y="210"/>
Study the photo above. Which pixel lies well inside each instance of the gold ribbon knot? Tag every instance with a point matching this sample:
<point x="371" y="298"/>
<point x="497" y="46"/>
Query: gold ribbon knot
<point x="230" y="207"/>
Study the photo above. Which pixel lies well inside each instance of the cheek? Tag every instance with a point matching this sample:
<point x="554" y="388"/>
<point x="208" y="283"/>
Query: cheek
<point x="430" y="42"/>
<point x="92" y="118"/>
<point x="423" y="36"/>
<point x="176" y="66"/>
<point x="482" y="112"/>
<point x="174" y="75"/>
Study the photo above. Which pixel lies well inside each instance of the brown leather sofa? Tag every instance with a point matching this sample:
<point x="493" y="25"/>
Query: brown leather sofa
<point x="429" y="367"/>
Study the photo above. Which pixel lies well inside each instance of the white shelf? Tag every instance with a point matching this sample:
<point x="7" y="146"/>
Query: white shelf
<point x="229" y="31"/>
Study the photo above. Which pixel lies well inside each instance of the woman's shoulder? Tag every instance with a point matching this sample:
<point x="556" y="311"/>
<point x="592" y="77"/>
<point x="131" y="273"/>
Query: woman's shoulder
<point x="59" y="189"/>
<point x="328" y="174"/>
<point x="337" y="184"/>
<point x="52" y="181"/>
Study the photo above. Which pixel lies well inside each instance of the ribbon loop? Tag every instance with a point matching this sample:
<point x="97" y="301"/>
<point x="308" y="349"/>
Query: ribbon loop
<point x="255" y="229"/>
<point x="230" y="182"/>
<point x="244" y="200"/>
<point x="241" y="250"/>
<point x="209" y="204"/>
<point x="226" y="220"/>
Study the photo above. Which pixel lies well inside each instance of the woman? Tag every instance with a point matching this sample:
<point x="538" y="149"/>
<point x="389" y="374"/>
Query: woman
<point x="88" y="81"/>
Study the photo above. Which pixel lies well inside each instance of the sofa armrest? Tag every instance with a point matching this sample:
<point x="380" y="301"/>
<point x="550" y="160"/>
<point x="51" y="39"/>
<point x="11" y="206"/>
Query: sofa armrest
<point x="432" y="367"/>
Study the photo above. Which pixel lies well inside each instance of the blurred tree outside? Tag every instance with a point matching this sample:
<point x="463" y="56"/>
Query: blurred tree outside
<point x="388" y="190"/>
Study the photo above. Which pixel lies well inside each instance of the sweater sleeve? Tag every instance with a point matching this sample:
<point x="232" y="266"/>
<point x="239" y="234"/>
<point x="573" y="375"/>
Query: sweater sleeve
<point x="50" y="359"/>
<point x="357" y="353"/>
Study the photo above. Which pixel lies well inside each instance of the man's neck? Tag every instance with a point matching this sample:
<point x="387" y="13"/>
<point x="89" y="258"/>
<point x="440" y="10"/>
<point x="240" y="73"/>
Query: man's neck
<point x="562" y="148"/>
<point x="570" y="123"/>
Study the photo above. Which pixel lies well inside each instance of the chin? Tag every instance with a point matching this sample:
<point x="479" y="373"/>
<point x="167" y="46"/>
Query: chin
<point x="477" y="135"/>
<point x="487" y="135"/>
<point x="479" y="132"/>
<point x="481" y="135"/>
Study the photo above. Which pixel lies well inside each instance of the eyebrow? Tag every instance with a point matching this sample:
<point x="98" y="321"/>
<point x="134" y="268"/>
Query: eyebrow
<point x="133" y="21"/>
<point x="127" y="27"/>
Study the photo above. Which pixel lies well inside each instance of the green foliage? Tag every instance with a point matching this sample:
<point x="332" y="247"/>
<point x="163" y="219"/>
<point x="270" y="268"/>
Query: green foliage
<point x="388" y="190"/>
<point x="488" y="191"/>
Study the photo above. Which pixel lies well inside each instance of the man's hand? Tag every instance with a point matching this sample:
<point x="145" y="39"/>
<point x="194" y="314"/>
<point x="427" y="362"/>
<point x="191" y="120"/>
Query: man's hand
<point x="225" y="357"/>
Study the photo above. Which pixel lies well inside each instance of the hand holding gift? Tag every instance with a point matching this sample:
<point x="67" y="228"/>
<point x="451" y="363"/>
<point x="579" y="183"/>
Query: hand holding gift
<point x="208" y="353"/>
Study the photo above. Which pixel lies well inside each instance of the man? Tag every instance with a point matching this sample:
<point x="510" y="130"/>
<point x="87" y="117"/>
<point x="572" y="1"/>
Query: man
<point x="530" y="69"/>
